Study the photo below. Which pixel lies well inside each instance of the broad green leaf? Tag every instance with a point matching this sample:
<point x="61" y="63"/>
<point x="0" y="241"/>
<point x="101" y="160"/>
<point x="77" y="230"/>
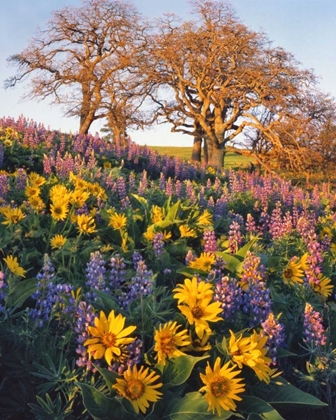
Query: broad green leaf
<point x="232" y="262"/>
<point x="21" y="292"/>
<point x="192" y="406"/>
<point x="178" y="370"/>
<point x="257" y="408"/>
<point x="173" y="211"/>
<point x="109" y="376"/>
<point x="279" y="391"/>
<point x="101" y="407"/>
<point x="191" y="272"/>
<point x="244" y="249"/>
<point x="106" y="301"/>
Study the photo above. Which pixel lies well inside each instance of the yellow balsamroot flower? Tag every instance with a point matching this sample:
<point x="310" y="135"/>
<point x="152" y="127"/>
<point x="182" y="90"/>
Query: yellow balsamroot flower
<point x="108" y="337"/>
<point x="86" y="224"/>
<point x="200" y="312"/>
<point x="78" y="198"/>
<point x="323" y="286"/>
<point x="157" y="214"/>
<point x="12" y="215"/>
<point x="167" y="340"/>
<point x="205" y="219"/>
<point x="118" y="221"/>
<point x="32" y="191"/>
<point x="59" y="210"/>
<point x="221" y="386"/>
<point x="58" y="241"/>
<point x="36" y="180"/>
<point x="59" y="193"/>
<point x="198" y="345"/>
<point x="204" y="262"/>
<point x="251" y="351"/>
<point x="97" y="190"/>
<point x="293" y="272"/>
<point x="149" y="235"/>
<point x="36" y="203"/>
<point x="192" y="289"/>
<point x="187" y="232"/>
<point x="137" y="386"/>
<point x="13" y="265"/>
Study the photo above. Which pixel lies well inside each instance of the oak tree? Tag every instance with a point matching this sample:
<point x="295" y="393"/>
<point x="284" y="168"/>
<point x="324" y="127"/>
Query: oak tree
<point x="82" y="58"/>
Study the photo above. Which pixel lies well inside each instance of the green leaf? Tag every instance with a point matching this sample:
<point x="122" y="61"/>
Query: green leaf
<point x="232" y="262"/>
<point x="173" y="211"/>
<point x="103" y="408"/>
<point x="258" y="409"/>
<point x="191" y="272"/>
<point x="192" y="406"/>
<point x="244" y="249"/>
<point x="178" y="370"/>
<point x="279" y="391"/>
<point x="105" y="301"/>
<point x="21" y="292"/>
<point x="109" y="376"/>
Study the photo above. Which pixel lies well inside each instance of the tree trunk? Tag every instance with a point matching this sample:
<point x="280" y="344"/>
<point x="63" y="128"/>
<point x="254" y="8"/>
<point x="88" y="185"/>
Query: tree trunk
<point x="197" y="149"/>
<point x="216" y="154"/>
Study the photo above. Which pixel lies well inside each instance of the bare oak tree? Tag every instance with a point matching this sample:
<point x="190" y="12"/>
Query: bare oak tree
<point x="214" y="76"/>
<point x="82" y="59"/>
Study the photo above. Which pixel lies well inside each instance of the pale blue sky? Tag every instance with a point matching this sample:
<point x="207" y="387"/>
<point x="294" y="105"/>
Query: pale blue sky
<point x="306" y="28"/>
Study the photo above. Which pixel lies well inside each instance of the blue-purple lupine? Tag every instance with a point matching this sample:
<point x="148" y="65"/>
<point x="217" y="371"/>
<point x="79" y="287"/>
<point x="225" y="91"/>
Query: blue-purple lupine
<point x="21" y="179"/>
<point x="229" y="294"/>
<point x="210" y="241"/>
<point x="235" y="237"/>
<point x="313" y="330"/>
<point x="141" y="284"/>
<point x="3" y="291"/>
<point x="136" y="257"/>
<point x="117" y="272"/>
<point x="121" y="185"/>
<point x="4" y="186"/>
<point x="276" y="336"/>
<point x="95" y="275"/>
<point x="133" y="356"/>
<point x="84" y="315"/>
<point x="2" y="154"/>
<point x="158" y="244"/>
<point x="48" y="295"/>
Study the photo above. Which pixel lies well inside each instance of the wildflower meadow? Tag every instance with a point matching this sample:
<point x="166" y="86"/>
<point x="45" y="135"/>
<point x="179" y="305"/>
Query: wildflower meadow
<point x="140" y="286"/>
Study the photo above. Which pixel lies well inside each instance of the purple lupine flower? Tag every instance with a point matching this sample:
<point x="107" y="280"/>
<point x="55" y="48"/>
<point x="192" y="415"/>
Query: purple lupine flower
<point x="169" y="187"/>
<point x="95" y="275"/>
<point x="2" y="154"/>
<point x="276" y="335"/>
<point x="158" y="244"/>
<point x="210" y="242"/>
<point x="162" y="182"/>
<point x="142" y="284"/>
<point x="235" y="237"/>
<point x="250" y="225"/>
<point x="313" y="330"/>
<point x="136" y="258"/>
<point x="121" y="185"/>
<point x="21" y="179"/>
<point x="229" y="294"/>
<point x="256" y="302"/>
<point x="4" y="186"/>
<point x="48" y="295"/>
<point x="3" y="290"/>
<point x="84" y="315"/>
<point x="133" y="357"/>
<point x="131" y="180"/>
<point x="117" y="272"/>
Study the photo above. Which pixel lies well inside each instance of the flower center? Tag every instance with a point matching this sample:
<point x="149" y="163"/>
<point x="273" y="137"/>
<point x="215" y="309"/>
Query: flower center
<point x="134" y="389"/>
<point x="219" y="386"/>
<point x="288" y="273"/>
<point x="58" y="210"/>
<point x="197" y="312"/>
<point x="108" y="339"/>
<point x="168" y="344"/>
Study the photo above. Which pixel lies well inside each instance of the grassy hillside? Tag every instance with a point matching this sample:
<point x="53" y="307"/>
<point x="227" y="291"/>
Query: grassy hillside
<point x="232" y="160"/>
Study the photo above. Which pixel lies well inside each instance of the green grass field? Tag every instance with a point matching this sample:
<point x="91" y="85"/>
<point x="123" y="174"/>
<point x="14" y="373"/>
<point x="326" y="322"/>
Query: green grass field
<point x="232" y="160"/>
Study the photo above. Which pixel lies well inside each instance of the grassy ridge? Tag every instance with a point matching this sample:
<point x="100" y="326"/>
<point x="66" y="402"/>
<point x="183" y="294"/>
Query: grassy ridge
<point x="232" y="160"/>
